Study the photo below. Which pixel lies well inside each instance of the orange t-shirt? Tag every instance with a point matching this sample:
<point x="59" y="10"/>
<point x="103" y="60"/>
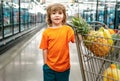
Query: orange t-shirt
<point x="56" y="40"/>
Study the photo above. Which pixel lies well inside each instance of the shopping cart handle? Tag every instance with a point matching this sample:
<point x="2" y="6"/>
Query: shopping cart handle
<point x="97" y="22"/>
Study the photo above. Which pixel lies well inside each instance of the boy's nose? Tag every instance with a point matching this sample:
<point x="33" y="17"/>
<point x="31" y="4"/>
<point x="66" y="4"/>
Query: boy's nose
<point x="57" y="14"/>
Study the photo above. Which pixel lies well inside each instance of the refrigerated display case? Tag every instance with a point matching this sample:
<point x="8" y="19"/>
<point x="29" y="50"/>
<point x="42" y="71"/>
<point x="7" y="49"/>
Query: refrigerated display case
<point x="102" y="11"/>
<point x="1" y="20"/>
<point x="117" y="16"/>
<point x="15" y="20"/>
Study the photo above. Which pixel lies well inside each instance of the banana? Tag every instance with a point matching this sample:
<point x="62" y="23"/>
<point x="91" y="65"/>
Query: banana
<point x="107" y="35"/>
<point x="112" y="73"/>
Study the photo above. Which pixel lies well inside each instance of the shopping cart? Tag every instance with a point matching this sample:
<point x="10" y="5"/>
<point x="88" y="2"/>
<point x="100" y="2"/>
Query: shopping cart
<point x="92" y="66"/>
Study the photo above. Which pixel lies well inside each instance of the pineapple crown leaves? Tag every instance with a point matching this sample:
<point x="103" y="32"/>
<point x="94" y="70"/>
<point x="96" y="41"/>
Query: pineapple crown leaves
<point x="81" y="25"/>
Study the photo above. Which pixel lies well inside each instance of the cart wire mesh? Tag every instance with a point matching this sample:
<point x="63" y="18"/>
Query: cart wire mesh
<point x="93" y="66"/>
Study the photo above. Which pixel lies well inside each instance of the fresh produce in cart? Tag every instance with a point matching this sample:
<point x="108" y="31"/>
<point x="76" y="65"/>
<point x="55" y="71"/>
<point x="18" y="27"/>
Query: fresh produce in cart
<point x="112" y="73"/>
<point x="116" y="47"/>
<point x="112" y="31"/>
<point x="99" y="42"/>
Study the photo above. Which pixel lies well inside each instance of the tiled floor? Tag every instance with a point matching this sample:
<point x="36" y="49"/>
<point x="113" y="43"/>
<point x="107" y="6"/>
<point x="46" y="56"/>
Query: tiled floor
<point x="25" y="62"/>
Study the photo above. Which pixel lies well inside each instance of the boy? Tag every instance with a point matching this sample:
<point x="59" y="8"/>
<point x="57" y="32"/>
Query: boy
<point x="55" y="44"/>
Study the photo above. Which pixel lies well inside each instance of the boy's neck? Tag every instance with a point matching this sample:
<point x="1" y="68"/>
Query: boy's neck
<point x="56" y="25"/>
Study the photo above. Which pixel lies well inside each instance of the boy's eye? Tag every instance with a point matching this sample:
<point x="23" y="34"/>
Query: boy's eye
<point x="60" y="12"/>
<point x="56" y="12"/>
<point x="53" y="13"/>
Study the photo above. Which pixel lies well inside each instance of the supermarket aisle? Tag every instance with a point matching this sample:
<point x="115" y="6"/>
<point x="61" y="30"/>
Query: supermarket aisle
<point x="27" y="61"/>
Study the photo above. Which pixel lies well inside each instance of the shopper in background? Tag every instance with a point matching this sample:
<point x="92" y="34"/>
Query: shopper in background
<point x="55" y="44"/>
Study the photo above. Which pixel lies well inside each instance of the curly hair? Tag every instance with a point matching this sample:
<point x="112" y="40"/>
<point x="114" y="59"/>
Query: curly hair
<point x="54" y="8"/>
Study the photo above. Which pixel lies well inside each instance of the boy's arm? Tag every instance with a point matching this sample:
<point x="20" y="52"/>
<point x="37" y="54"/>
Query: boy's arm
<point x="45" y="56"/>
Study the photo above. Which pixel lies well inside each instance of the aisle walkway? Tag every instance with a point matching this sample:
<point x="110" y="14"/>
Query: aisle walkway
<point x="28" y="61"/>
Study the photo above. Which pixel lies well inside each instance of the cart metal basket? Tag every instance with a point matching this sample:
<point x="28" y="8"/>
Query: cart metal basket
<point x="92" y="66"/>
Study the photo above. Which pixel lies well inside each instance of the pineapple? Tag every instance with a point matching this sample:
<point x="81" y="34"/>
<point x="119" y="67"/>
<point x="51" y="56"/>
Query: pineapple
<point x="81" y="25"/>
<point x="95" y="41"/>
<point x="97" y="44"/>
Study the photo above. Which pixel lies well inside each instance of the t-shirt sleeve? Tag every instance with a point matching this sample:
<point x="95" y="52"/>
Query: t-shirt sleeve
<point x="71" y="36"/>
<point x="44" y="41"/>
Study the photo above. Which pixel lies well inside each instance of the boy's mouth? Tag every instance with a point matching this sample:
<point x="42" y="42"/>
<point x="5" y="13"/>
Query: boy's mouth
<point x="57" y="19"/>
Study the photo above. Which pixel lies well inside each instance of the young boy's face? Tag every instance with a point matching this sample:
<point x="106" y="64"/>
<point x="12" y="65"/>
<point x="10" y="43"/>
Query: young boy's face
<point x="57" y="17"/>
